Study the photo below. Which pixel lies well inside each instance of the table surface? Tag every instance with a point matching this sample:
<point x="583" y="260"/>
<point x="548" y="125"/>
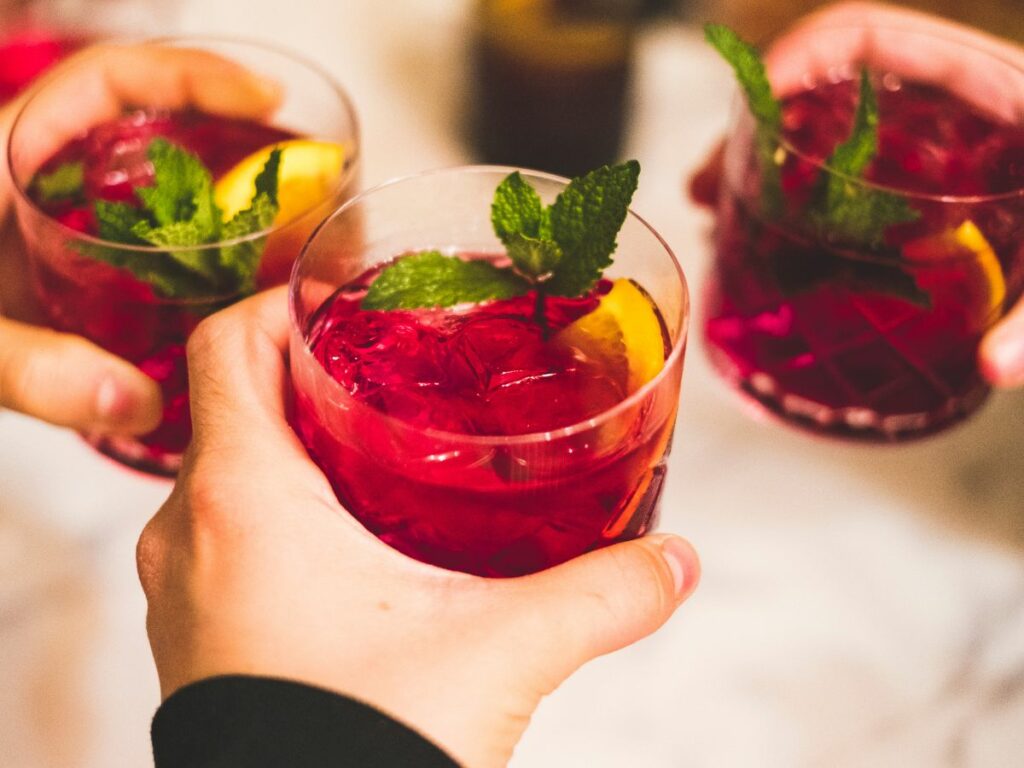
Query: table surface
<point x="861" y="606"/>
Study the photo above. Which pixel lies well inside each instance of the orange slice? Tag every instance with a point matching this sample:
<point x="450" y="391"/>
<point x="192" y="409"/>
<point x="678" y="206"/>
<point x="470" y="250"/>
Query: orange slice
<point x="963" y="264"/>
<point x="624" y="333"/>
<point x="308" y="175"/>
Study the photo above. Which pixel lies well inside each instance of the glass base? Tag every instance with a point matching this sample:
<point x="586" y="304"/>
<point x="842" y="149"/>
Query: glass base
<point x="135" y="454"/>
<point x="849" y="423"/>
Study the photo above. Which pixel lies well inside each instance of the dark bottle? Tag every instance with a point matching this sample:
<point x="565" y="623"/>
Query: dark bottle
<point x="552" y="82"/>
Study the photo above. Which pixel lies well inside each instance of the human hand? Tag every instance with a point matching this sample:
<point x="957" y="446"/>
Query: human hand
<point x="61" y="378"/>
<point x="253" y="567"/>
<point x="878" y="28"/>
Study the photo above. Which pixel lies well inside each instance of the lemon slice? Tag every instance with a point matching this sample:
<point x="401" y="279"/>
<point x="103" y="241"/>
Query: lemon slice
<point x="309" y="173"/>
<point x="971" y="261"/>
<point x="623" y="332"/>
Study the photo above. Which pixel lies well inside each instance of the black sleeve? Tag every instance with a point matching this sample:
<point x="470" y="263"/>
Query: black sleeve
<point x="232" y="721"/>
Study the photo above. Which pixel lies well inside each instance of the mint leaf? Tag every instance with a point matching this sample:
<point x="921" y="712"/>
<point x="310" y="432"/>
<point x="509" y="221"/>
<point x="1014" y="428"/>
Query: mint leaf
<point x="585" y="219"/>
<point x="854" y="155"/>
<point x="560" y="249"/>
<point x="431" y="279"/>
<point x="766" y="109"/>
<point x="856" y="215"/>
<point x="267" y="179"/>
<point x="117" y="221"/>
<point x="846" y="210"/>
<point x="532" y="257"/>
<point x="517" y="210"/>
<point x="242" y="260"/>
<point x="65" y="182"/>
<point x="182" y="189"/>
<point x="179" y="213"/>
<point x="750" y="72"/>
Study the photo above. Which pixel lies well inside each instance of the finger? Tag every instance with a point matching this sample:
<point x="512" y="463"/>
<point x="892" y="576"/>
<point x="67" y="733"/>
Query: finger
<point x="70" y="382"/>
<point x="607" y="599"/>
<point x="1002" y="351"/>
<point x="979" y="68"/>
<point x="98" y="84"/>
<point x="237" y="372"/>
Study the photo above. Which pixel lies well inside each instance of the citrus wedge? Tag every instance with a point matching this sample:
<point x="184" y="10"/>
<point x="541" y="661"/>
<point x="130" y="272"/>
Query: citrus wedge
<point x="309" y="173"/>
<point x="962" y="257"/>
<point x="623" y="333"/>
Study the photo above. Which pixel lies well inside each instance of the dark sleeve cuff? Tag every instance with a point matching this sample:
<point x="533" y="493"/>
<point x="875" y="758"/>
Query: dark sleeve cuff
<point x="253" y="721"/>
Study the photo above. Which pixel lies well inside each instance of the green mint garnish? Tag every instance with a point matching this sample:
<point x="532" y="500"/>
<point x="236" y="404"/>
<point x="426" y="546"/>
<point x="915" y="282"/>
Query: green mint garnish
<point x="585" y="218"/>
<point x="766" y="109"/>
<point x="750" y="72"/>
<point x="849" y="212"/>
<point x="241" y="260"/>
<point x="842" y="209"/>
<point x="523" y="224"/>
<point x="65" y="182"/>
<point x="560" y="250"/>
<point x="431" y="279"/>
<point x="179" y="212"/>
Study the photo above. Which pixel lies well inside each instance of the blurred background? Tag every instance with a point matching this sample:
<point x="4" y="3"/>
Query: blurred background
<point x="762" y="19"/>
<point x="861" y="605"/>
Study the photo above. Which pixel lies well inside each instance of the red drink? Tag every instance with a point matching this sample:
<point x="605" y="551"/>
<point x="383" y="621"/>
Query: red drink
<point x="79" y="288"/>
<point x="90" y="298"/>
<point x="487" y="370"/>
<point x="480" y="438"/>
<point x="876" y="341"/>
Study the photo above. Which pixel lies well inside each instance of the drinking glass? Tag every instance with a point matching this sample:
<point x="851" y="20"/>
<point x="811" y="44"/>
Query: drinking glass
<point x="860" y="333"/>
<point x="79" y="294"/>
<point x="489" y="505"/>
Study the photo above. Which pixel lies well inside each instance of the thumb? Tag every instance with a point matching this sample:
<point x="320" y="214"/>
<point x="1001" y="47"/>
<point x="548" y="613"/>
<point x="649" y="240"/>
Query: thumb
<point x="71" y="382"/>
<point x="1002" y="351"/>
<point x="607" y="599"/>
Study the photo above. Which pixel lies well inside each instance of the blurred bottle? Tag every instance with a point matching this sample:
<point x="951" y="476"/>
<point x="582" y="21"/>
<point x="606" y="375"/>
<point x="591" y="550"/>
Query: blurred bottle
<point x="552" y="81"/>
<point x="36" y="34"/>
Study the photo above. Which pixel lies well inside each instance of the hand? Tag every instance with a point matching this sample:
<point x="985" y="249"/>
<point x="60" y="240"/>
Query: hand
<point x="801" y="50"/>
<point x="61" y="378"/>
<point x="252" y="566"/>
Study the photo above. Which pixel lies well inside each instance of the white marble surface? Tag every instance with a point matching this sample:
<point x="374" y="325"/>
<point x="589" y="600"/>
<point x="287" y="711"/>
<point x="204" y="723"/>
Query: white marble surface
<point x="861" y="606"/>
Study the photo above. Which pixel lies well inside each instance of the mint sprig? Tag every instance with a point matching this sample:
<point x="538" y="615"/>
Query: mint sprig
<point x="179" y="212"/>
<point x="752" y="76"/>
<point x="66" y="182"/>
<point x="431" y="279"/>
<point x="842" y="208"/>
<point x="561" y="249"/>
<point x="750" y="73"/>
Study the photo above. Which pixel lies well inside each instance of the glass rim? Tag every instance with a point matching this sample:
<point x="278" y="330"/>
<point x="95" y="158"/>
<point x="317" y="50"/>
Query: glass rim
<point x="624" y="405"/>
<point x="822" y="164"/>
<point x="344" y="100"/>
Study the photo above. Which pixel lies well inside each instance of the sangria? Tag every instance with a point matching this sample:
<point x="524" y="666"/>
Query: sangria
<point x="496" y="435"/>
<point x="146" y="222"/>
<point x="851" y="299"/>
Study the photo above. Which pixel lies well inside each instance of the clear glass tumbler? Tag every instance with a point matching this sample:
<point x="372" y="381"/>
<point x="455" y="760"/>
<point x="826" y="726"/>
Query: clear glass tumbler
<point x="854" y="306"/>
<point x="78" y="293"/>
<point x="489" y="505"/>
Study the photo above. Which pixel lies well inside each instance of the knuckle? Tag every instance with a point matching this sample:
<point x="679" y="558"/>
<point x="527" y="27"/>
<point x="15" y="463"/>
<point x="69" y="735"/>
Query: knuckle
<point x="149" y="557"/>
<point x="646" y="579"/>
<point x="209" y="336"/>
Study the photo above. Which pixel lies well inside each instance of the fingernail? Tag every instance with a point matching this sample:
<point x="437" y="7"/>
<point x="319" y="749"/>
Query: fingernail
<point x="682" y="563"/>
<point x="1004" y="357"/>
